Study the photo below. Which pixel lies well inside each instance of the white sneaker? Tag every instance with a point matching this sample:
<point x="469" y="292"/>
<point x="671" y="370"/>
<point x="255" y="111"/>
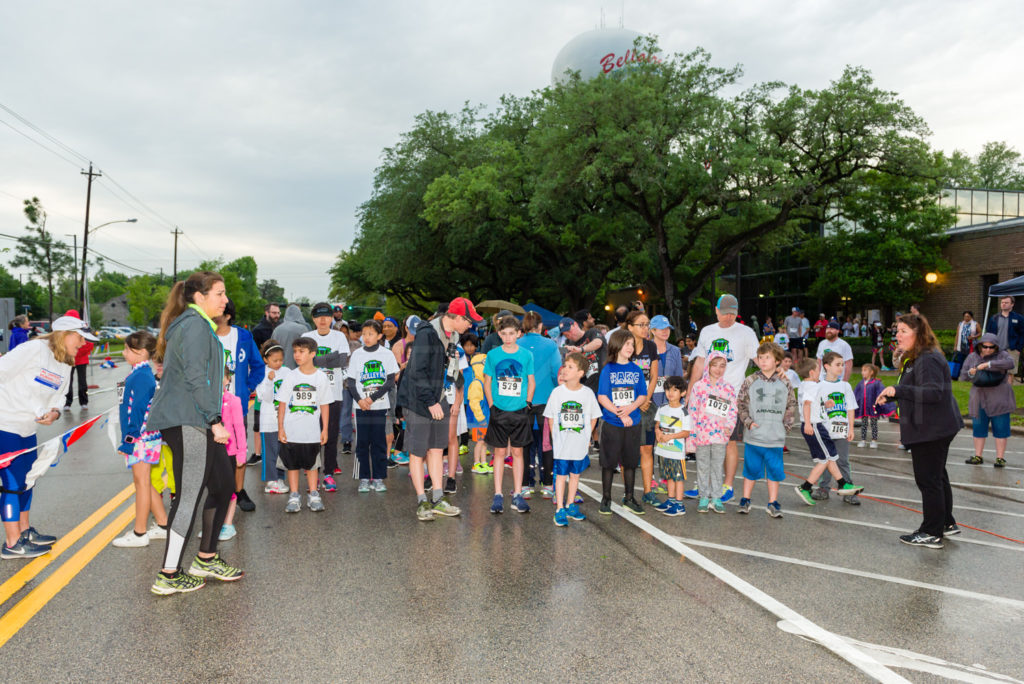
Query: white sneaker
<point x="874" y="444"/>
<point x="156" y="532"/>
<point x="130" y="540"/>
<point x="276" y="487"/>
<point x="861" y="444"/>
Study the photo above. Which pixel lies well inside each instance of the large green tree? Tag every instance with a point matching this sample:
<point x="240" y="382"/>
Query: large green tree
<point x="146" y="299"/>
<point x="40" y="253"/>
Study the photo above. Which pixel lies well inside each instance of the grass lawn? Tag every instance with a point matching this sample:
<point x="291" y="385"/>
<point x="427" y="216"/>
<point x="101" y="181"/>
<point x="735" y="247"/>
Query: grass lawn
<point x="961" y="390"/>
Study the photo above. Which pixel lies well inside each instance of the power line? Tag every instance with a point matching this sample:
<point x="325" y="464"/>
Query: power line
<point x="31" y="139"/>
<point x="46" y="135"/>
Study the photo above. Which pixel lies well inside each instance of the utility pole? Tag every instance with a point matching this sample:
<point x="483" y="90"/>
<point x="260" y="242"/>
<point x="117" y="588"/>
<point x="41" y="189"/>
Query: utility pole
<point x="175" y="233"/>
<point x="74" y="256"/>
<point x="85" y="238"/>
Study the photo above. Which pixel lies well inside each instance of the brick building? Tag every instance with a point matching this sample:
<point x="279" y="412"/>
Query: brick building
<point x="979" y="256"/>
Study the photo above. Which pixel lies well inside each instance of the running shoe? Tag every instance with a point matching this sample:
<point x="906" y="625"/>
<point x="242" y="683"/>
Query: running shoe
<point x="244" y="503"/>
<point x="578" y="499"/>
<point x="479" y="468"/>
<point x="921" y="539"/>
<point x="691" y="493"/>
<point x="804" y="494"/>
<point x="23" y="549"/>
<point x="861" y="444"/>
<point x="458" y="467"/>
<point x="346" y="447"/>
<point x="40" y="539"/>
<point x="662" y="505"/>
<point x="705" y="503"/>
<point x="130" y="540"/>
<point x="650" y="498"/>
<point x="337" y="471"/>
<point x="717" y="506"/>
<point x="561" y="518"/>
<point x="951" y="530"/>
<point x="527" y="492"/>
<point x="364" y="486"/>
<point x="853" y="500"/>
<point x="314" y="502"/>
<point x="253" y="460"/>
<point x="392" y="463"/>
<point x="658" y="487"/>
<point x="378" y="485"/>
<point x="68" y="408"/>
<point x="294" y="504"/>
<point x="227" y="532"/>
<point x="329" y="484"/>
<point x="974" y="460"/>
<point x="901" y="447"/>
<point x="850" y="489"/>
<point x="276" y="487"/>
<point x="401" y="457"/>
<point x="519" y="504"/>
<point x="449" y="486"/>
<point x="424" y="511"/>
<point x="508" y="461"/>
<point x="548" y="492"/>
<point x="215" y="567"/>
<point x="773" y="509"/>
<point x="463" y="450"/>
<point x="181" y="583"/>
<point x="820" y="494"/>
<point x="498" y="504"/>
<point x="443" y="507"/>
<point x="673" y="510"/>
<point x="490" y="467"/>
<point x="606" y="507"/>
<point x="873" y="445"/>
<point x="726" y="493"/>
<point x="744" y="506"/>
<point x="574" y="513"/>
<point x="633" y="507"/>
<point x="156" y="532"/>
<point x="1000" y="463"/>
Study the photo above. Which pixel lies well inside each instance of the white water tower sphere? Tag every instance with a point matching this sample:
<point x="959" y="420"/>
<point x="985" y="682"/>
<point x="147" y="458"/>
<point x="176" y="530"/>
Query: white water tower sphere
<point x="602" y="50"/>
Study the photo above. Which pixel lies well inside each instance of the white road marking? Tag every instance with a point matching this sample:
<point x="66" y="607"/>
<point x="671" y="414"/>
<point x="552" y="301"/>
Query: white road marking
<point x="955" y="506"/>
<point x="856" y="657"/>
<point x="860" y="455"/>
<point x="1013" y="603"/>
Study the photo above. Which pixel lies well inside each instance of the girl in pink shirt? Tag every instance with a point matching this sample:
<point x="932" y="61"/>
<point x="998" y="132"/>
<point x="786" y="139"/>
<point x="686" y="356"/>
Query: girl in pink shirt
<point x="234" y="421"/>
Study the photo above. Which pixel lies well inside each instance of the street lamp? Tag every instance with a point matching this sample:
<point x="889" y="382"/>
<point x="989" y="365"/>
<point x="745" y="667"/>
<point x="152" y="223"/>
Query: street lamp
<point x="931" y="278"/>
<point x="84" y="290"/>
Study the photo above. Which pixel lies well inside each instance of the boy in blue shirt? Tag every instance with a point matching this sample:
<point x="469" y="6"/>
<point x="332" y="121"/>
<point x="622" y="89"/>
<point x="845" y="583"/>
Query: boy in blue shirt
<point x="509" y="386"/>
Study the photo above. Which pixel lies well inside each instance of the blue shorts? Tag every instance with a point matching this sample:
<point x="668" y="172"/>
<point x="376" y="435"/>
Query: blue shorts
<point x="820" y="443"/>
<point x="763" y="462"/>
<point x="1000" y="425"/>
<point x="563" y="467"/>
<point x="16" y="499"/>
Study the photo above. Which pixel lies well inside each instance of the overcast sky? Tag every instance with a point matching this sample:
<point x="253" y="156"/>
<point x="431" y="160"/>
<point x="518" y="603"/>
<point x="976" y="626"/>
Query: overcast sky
<point x="256" y="126"/>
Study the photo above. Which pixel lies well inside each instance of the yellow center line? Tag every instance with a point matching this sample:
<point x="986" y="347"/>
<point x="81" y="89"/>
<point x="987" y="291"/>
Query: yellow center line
<point x="26" y="608"/>
<point x="34" y="567"/>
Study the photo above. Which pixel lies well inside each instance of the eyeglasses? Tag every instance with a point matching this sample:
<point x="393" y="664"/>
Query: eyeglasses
<point x="642" y="325"/>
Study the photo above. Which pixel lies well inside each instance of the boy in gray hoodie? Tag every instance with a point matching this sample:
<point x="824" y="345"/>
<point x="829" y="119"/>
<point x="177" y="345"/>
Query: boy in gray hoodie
<point x="767" y="408"/>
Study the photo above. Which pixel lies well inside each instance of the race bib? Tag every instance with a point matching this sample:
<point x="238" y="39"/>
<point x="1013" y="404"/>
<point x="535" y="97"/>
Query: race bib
<point x="510" y="387"/>
<point x="839" y="429"/>
<point x="622" y="396"/>
<point x="659" y="386"/>
<point x="303" y="399"/>
<point x="571" y="420"/>
<point x="717" y="407"/>
<point x="120" y="393"/>
<point x="449" y="394"/>
<point x="329" y="372"/>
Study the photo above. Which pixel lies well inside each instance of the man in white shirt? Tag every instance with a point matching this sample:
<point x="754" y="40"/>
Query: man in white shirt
<point x="739" y="344"/>
<point x="832" y="342"/>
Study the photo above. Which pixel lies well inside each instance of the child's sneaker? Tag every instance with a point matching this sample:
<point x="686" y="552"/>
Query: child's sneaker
<point x="726" y="493"/>
<point x="294" y="504"/>
<point x="744" y="506"/>
<point x="805" y="495"/>
<point x="572" y="511"/>
<point x="861" y="444"/>
<point x="156" y="532"/>
<point x="458" y="465"/>
<point x="490" y="467"/>
<point x="463" y="450"/>
<point x="873" y="445"/>
<point x="401" y="457"/>
<point x="717" y="506"/>
<point x="674" y="509"/>
<point x="314" y="502"/>
<point x="424" y="511"/>
<point x="658" y="487"/>
<point x="999" y="463"/>
<point x="527" y="493"/>
<point x="364" y="486"/>
<point x="702" y="505"/>
<point x="519" y="504"/>
<point x="508" y="461"/>
<point x="442" y="507"/>
<point x="498" y="504"/>
<point x="650" y="498"/>
<point x="774" y="509"/>
<point x="548" y="492"/>
<point x="850" y="489"/>
<point x="276" y="487"/>
<point x="820" y="494"/>
<point x="329" y="484"/>
<point x="480" y="468"/>
<point x="579" y="499"/>
<point x="450" y="487"/>
<point x="691" y="493"/>
<point x="227" y="532"/>
<point x="379" y="486"/>
<point x="561" y="518"/>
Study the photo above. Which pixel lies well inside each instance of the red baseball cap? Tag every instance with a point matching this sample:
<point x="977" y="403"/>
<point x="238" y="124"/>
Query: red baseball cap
<point x="460" y="306"/>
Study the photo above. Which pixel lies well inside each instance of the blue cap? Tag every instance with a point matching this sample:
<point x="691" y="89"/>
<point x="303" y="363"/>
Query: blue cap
<point x="565" y="325"/>
<point x="659" y="322"/>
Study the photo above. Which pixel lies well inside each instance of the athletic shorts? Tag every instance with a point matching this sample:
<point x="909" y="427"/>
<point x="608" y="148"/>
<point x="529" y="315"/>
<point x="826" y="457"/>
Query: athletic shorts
<point x="477" y="434"/>
<point x="672" y="469"/>
<point x="564" y="466"/>
<point x="620" y="446"/>
<point x="423" y="433"/>
<point x="797" y="343"/>
<point x="737" y="432"/>
<point x="761" y="462"/>
<point x="509" y="427"/>
<point x="147" y="452"/>
<point x="820" y="443"/>
<point x="647" y="423"/>
<point x="299" y="456"/>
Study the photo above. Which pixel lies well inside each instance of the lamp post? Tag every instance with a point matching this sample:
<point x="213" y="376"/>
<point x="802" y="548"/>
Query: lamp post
<point x="84" y="289"/>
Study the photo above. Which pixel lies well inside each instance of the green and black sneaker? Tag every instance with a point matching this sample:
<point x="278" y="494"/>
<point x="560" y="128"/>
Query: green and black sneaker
<point x="215" y="567"/>
<point x="849" y="489"/>
<point x="805" y="494"/>
<point x="182" y="583"/>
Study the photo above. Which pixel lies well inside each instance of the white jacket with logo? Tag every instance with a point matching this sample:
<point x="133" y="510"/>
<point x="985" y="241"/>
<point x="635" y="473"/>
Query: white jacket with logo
<point x="32" y="382"/>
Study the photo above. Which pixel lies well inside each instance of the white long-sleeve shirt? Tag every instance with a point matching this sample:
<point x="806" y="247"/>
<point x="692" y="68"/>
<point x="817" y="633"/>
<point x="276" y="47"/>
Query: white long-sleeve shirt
<point x="32" y="382"/>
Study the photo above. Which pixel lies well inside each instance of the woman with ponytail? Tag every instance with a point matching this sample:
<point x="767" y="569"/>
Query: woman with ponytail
<point x="186" y="410"/>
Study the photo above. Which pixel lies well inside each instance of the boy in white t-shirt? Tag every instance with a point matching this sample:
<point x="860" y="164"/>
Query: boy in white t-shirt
<point x="671" y="428"/>
<point x="787" y="369"/>
<point x="369" y="379"/>
<point x="571" y="413"/>
<point x="304" y="396"/>
<point x="838" y="405"/>
<point x="332" y="352"/>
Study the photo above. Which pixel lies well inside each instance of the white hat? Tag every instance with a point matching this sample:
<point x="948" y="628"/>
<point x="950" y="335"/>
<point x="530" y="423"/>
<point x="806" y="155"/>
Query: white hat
<point x="76" y="324"/>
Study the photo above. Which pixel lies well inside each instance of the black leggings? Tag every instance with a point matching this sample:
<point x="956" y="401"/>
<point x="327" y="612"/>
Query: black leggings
<point x="929" y="459"/>
<point x="83" y="386"/>
<point x="199" y="463"/>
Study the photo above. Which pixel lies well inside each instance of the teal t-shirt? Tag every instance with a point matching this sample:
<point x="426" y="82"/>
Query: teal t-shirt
<point x="509" y="375"/>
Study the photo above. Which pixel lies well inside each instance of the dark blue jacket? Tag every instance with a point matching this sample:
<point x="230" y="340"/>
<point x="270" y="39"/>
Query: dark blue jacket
<point x="249" y="367"/>
<point x="1015" y="335"/>
<point x="139" y="387"/>
<point x="18" y="336"/>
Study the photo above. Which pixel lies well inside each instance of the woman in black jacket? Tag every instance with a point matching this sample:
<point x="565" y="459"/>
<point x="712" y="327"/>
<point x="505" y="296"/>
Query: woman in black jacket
<point x="929" y="419"/>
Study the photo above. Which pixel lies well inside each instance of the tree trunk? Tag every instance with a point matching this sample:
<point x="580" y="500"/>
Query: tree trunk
<point x="668" y="280"/>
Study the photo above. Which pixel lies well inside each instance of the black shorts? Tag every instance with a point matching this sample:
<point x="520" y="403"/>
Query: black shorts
<point x="796" y="343"/>
<point x="509" y="427"/>
<point x="299" y="456"/>
<point x="620" y="446"/>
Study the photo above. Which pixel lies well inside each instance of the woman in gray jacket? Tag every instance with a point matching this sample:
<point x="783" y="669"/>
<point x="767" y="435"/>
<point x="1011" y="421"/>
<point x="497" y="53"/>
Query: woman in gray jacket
<point x="991" y="396"/>
<point x="186" y="410"/>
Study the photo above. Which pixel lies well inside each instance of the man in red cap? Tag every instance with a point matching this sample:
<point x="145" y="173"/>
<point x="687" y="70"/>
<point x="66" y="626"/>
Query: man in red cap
<point x="426" y="393"/>
<point x="81" y="365"/>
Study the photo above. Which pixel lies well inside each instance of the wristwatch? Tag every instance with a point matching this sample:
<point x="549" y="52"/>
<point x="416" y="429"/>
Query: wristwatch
<point x="128" y="439"/>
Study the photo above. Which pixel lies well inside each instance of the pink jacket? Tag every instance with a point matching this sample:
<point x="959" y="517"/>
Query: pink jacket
<point x="710" y="428"/>
<point x="234" y="421"/>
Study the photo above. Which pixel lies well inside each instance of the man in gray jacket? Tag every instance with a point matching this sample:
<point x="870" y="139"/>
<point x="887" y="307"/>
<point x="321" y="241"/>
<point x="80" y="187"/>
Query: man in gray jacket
<point x="289" y="330"/>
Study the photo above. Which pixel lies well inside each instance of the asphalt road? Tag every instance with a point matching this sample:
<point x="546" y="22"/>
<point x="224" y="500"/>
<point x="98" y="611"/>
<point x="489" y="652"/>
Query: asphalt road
<point x="366" y="591"/>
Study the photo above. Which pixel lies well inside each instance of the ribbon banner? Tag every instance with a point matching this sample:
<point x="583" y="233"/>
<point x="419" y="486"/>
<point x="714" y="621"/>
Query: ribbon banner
<point x="51" y="450"/>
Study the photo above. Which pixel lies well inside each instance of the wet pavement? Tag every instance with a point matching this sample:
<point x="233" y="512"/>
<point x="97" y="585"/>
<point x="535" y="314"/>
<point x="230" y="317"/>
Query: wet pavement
<point x="364" y="590"/>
